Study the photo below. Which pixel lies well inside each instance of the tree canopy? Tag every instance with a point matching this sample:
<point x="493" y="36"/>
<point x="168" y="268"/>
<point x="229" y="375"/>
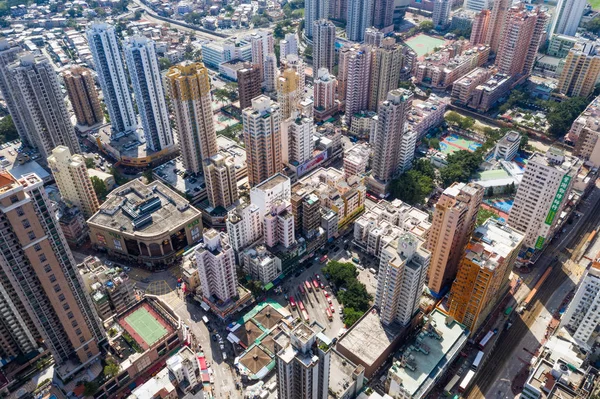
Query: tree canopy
<point x="8" y="131"/>
<point x="99" y="186"/>
<point x="355" y="298"/>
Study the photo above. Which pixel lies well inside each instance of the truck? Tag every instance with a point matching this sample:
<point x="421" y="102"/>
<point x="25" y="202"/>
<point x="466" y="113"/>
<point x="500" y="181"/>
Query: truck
<point x="466" y="381"/>
<point x="451" y="384"/>
<point x="205" y="320"/>
<point x="486" y="339"/>
<point x="477" y="361"/>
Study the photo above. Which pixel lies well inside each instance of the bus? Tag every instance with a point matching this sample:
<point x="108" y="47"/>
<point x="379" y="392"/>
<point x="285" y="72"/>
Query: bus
<point x="308" y="286"/>
<point x="329" y="314"/>
<point x="466" y="381"/>
<point x="450" y="385"/>
<point x="292" y="302"/>
<point x="486" y="339"/>
<point x="477" y="361"/>
<point x="305" y="315"/>
<point x="301" y="289"/>
<point x="300" y="305"/>
<point x="316" y="284"/>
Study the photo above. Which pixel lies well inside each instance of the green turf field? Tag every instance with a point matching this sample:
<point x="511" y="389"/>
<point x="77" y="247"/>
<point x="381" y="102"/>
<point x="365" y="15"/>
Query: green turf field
<point x="595" y="4"/>
<point x="146" y="326"/>
<point x="423" y="44"/>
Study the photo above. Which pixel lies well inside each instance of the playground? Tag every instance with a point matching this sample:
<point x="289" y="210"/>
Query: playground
<point x="223" y="121"/>
<point x="454" y="142"/>
<point x="423" y="44"/>
<point x="145" y="326"/>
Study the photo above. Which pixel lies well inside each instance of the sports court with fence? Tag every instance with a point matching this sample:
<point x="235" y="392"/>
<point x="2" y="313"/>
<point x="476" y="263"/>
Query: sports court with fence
<point x="145" y="325"/>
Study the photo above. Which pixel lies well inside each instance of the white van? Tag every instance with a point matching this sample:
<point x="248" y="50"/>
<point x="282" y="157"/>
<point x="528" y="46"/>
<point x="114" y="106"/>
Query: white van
<point x="205" y="320"/>
<point x="224" y="355"/>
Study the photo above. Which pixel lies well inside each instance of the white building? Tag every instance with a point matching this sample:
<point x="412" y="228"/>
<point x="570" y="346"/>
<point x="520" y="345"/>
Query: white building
<point x="244" y="226"/>
<point x="142" y="63"/>
<point x="360" y="13"/>
<point x="441" y="13"/>
<point x="297" y="142"/>
<point x="279" y="225"/>
<point x="270" y="73"/>
<point x="215" y="261"/>
<point x="184" y="367"/>
<point x="323" y="44"/>
<point x="261" y="264"/>
<point x="73" y="181"/>
<point x="265" y="194"/>
<point x="289" y="45"/>
<point x="567" y="17"/>
<point x="110" y="68"/>
<point x="262" y="44"/>
<point x="402" y="272"/>
<point x="313" y="11"/>
<point x="508" y="146"/>
<point x="356" y="160"/>
<point x="542" y="195"/>
<point x="221" y="180"/>
<point x="582" y="316"/>
<point x="324" y="92"/>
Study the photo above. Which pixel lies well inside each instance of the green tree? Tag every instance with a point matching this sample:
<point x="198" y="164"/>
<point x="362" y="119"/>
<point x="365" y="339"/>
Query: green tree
<point x="355" y="296"/>
<point x="453" y="118"/>
<point x="434" y="143"/>
<point x="148" y="176"/>
<point x="426" y="25"/>
<point x="297" y="14"/>
<point x="484" y="214"/>
<point x="90" y="388"/>
<point x="524" y="143"/>
<point x="593" y="25"/>
<point x="351" y="316"/>
<point x="8" y="131"/>
<point x="278" y="32"/>
<point x="411" y="187"/>
<point x="340" y="273"/>
<point x="561" y="115"/>
<point x="164" y="63"/>
<point x="255" y="287"/>
<point x="111" y="369"/>
<point x="99" y="186"/>
<point x="308" y="52"/>
<point x="424" y="167"/>
<point x="89" y="163"/>
<point x="138" y="15"/>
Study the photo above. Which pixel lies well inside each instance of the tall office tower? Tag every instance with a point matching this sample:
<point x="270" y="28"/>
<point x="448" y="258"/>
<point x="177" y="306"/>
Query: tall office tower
<point x="402" y="271"/>
<point x="338" y="9"/>
<point x="390" y="129"/>
<point x="383" y="15"/>
<point x="297" y="139"/>
<point x="278" y="225"/>
<point x="271" y="73"/>
<point x="373" y="37"/>
<point x="83" y="95"/>
<point x="244" y="226"/>
<point x="42" y="104"/>
<point x="483" y="272"/>
<point x="9" y="54"/>
<point x="497" y="19"/>
<point x="567" y="17"/>
<point x="189" y="88"/>
<point x="289" y="45"/>
<point x="109" y="65"/>
<point x="360" y="15"/>
<point x="581" y="317"/>
<point x="385" y="71"/>
<point x="142" y="63"/>
<point x="221" y="181"/>
<point x="453" y="222"/>
<point x="262" y="44"/>
<point x="73" y="180"/>
<point x="249" y="82"/>
<point x="314" y="10"/>
<point x="288" y="92"/>
<point x="520" y="41"/>
<point x="262" y="136"/>
<point x="324" y="92"/>
<point x="323" y="44"/>
<point x="215" y="261"/>
<point x="581" y="70"/>
<point x="480" y="27"/>
<point x="42" y="291"/>
<point x="441" y="13"/>
<point x="302" y="363"/>
<point x="358" y="77"/>
<point x="542" y="195"/>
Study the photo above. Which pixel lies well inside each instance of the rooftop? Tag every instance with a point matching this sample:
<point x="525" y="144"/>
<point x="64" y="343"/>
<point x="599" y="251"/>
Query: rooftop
<point x="144" y="209"/>
<point x="554" y="381"/>
<point x="492" y="243"/>
<point x="272" y="182"/>
<point x="341" y="374"/>
<point x="424" y="358"/>
<point x="158" y="386"/>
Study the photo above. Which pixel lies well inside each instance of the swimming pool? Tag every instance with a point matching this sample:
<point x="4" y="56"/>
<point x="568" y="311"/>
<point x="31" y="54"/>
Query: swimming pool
<point x="503" y="205"/>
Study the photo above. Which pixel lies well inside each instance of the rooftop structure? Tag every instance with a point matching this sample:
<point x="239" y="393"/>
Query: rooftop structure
<point x="426" y="114"/>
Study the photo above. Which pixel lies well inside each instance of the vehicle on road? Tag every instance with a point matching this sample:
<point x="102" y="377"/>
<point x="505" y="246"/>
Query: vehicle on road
<point x="329" y="314"/>
<point x="292" y="302"/>
<point x="205" y="320"/>
<point x="484" y="341"/>
<point x="477" y="361"/>
<point x="450" y="385"/>
<point x="316" y="285"/>
<point x="466" y="381"/>
<point x="323" y="259"/>
<point x="356" y="260"/>
<point x="301" y="289"/>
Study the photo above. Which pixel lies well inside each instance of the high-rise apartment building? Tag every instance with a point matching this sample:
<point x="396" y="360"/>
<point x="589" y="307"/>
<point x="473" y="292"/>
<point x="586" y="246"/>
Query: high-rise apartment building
<point x="73" y="180"/>
<point x="249" y="82"/>
<point x="581" y="70"/>
<point x="215" y="261"/>
<point x="441" y="13"/>
<point x="453" y="222"/>
<point x="323" y="44"/>
<point x="275" y="189"/>
<point x="43" y="296"/>
<point x="480" y="27"/>
<point x="221" y="181"/>
<point x="297" y="64"/>
<point x="496" y="26"/>
<point x="244" y="226"/>
<point x="373" y="37"/>
<point x="297" y="139"/>
<point x="383" y="15"/>
<point x="42" y="104"/>
<point x="338" y="9"/>
<point x="542" y="195"/>
<point x="314" y="10"/>
<point x="83" y="95"/>
<point x="9" y="53"/>
<point x="567" y="17"/>
<point x="390" y="129"/>
<point x="581" y="317"/>
<point x="483" y="272"/>
<point x="357" y="77"/>
<point x="189" y="88"/>
<point x="402" y="272"/>
<point x="476" y="5"/>
<point x="262" y="136"/>
<point x="520" y="41"/>
<point x="360" y="16"/>
<point x="142" y="63"/>
<point x="271" y="73"/>
<point x="324" y="94"/>
<point x="288" y="92"/>
<point x="302" y="363"/>
<point x="110" y="68"/>
<point x="385" y="71"/>
<point x="289" y="45"/>
<point x="278" y="225"/>
<point x="262" y="44"/>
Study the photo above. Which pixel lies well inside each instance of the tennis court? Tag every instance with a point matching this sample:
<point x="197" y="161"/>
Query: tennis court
<point x="423" y="44"/>
<point x="146" y="326"/>
<point x="454" y="142"/>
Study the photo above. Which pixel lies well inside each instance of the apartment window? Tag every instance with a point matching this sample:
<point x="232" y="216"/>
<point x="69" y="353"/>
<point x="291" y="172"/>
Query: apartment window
<point x="31" y="235"/>
<point x="57" y="288"/>
<point x="66" y="306"/>
<point x="20" y="211"/>
<point x="118" y="245"/>
<point x="13" y="199"/>
<point x="86" y="347"/>
<point x="70" y="315"/>
<point x="37" y="247"/>
<point x="43" y="258"/>
<point x="47" y="268"/>
<point x="26" y="223"/>
<point x="74" y="323"/>
<point x="52" y="278"/>
<point x="81" y="340"/>
<point x="89" y="355"/>
<point x="61" y="297"/>
<point x="78" y="331"/>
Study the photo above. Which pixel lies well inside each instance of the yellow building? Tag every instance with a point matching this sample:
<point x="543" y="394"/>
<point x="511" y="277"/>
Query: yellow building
<point x="581" y="70"/>
<point x="483" y="272"/>
<point x="287" y="92"/>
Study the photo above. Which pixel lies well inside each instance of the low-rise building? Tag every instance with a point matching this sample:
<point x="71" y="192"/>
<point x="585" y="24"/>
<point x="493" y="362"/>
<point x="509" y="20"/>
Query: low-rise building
<point x="425" y="114"/>
<point x="260" y="264"/>
<point x="356" y="160"/>
<point x="363" y="125"/>
<point x="72" y="223"/>
<point x="508" y="146"/>
<point x="480" y="89"/>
